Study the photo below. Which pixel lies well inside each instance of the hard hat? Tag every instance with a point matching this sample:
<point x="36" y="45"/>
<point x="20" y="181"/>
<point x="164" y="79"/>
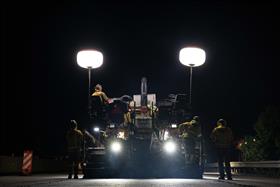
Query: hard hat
<point x="222" y="121"/>
<point x="73" y="124"/>
<point x="196" y="118"/>
<point x="98" y="87"/>
<point x="126" y="98"/>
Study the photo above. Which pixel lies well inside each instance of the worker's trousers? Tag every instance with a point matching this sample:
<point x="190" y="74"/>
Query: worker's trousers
<point x="224" y="162"/>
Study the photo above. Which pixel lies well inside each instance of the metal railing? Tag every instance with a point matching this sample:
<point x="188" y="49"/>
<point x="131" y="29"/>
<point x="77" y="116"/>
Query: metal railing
<point x="271" y="168"/>
<point x="257" y="164"/>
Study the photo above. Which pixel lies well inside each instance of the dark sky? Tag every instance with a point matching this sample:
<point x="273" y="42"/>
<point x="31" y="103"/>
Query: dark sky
<point x="45" y="88"/>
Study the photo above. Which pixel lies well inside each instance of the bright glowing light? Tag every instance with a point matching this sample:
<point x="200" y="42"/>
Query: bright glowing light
<point x="121" y="135"/>
<point x="96" y="129"/>
<point x="90" y="59"/>
<point x="170" y="147"/>
<point x="116" y="147"/>
<point x="173" y="125"/>
<point x="166" y="135"/>
<point x="112" y="126"/>
<point x="192" y="56"/>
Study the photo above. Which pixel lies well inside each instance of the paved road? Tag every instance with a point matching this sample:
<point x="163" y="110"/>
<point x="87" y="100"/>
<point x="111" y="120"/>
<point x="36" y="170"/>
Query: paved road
<point x="247" y="180"/>
<point x="60" y="181"/>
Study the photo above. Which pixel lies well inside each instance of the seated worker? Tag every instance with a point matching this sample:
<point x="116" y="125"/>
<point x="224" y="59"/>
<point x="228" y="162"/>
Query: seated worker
<point x="98" y="92"/>
<point x="99" y="104"/>
<point x="120" y="111"/>
<point x="127" y="118"/>
<point x="126" y="109"/>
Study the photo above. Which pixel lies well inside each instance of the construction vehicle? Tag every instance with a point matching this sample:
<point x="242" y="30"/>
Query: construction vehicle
<point x="146" y="145"/>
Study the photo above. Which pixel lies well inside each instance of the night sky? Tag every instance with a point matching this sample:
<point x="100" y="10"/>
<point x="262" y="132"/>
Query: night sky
<point x="44" y="87"/>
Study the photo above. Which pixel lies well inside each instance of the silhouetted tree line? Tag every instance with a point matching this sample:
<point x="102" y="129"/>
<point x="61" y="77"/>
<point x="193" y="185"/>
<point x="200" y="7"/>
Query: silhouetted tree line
<point x="265" y="145"/>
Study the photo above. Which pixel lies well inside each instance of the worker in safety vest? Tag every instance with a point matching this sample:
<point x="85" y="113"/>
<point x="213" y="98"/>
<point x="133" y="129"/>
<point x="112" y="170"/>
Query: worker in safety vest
<point x="222" y="138"/>
<point x="74" y="139"/>
<point x="187" y="135"/>
<point x="99" y="102"/>
<point x="126" y="99"/>
<point x="194" y="128"/>
<point x="98" y="92"/>
<point x="189" y="131"/>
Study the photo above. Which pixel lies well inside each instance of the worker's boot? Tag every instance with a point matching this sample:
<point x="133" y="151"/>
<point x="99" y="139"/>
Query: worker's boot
<point x="229" y="176"/>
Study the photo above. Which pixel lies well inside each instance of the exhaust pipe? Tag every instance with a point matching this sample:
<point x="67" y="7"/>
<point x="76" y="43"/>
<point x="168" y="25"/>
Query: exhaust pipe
<point x="144" y="91"/>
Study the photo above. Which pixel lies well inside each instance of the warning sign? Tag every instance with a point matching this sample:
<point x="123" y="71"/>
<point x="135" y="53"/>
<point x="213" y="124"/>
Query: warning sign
<point x="27" y="162"/>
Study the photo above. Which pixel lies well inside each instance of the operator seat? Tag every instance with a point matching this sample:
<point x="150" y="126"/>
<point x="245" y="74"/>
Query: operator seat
<point x="116" y="111"/>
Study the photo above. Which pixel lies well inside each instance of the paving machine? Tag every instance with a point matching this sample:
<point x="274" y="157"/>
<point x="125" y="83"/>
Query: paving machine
<point x="139" y="138"/>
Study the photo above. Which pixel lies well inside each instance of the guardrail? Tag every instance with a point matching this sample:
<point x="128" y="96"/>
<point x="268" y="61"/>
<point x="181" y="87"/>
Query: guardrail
<point x="271" y="168"/>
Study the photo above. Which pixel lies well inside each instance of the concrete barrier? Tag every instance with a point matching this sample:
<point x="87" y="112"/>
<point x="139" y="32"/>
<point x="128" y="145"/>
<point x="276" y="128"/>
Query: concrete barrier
<point x="12" y="165"/>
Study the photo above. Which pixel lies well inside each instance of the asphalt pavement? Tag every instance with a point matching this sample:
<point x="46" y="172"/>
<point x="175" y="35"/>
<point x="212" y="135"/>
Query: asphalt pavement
<point x="246" y="180"/>
<point x="60" y="180"/>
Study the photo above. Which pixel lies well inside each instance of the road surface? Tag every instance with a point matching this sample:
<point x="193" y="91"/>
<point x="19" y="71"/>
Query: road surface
<point x="61" y="180"/>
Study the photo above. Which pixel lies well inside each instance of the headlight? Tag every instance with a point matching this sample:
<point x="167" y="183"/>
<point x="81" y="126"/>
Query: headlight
<point x="116" y="147"/>
<point x="96" y="129"/>
<point x="169" y="147"/>
<point x="111" y="126"/>
<point x="173" y="125"/>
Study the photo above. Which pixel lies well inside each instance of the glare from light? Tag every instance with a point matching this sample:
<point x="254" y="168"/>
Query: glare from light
<point x="192" y="56"/>
<point x="116" y="147"/>
<point x="173" y="125"/>
<point x="121" y="135"/>
<point x="96" y="129"/>
<point x="112" y="126"/>
<point x="169" y="147"/>
<point x="90" y="58"/>
<point x="139" y="182"/>
<point x="166" y="135"/>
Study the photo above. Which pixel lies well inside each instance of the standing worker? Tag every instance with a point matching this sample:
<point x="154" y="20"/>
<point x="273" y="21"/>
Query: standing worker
<point x="195" y="128"/>
<point x="190" y="132"/>
<point x="188" y="140"/>
<point x="88" y="140"/>
<point x="196" y="136"/>
<point x="74" y="139"/>
<point x="222" y="138"/>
